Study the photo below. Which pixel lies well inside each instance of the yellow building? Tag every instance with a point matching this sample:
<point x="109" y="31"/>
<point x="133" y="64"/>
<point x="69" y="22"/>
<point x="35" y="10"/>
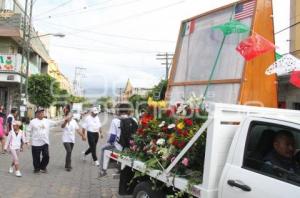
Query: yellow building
<point x="295" y="29"/>
<point x="64" y="83"/>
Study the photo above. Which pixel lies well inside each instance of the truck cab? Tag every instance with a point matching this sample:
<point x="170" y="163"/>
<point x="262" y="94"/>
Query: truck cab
<point x="247" y="174"/>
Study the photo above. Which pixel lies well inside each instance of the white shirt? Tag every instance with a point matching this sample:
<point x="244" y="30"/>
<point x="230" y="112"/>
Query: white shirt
<point x="69" y="131"/>
<point x="12" y="120"/>
<point x="13" y="140"/>
<point x="39" y="130"/>
<point x="92" y="124"/>
<point x="115" y="129"/>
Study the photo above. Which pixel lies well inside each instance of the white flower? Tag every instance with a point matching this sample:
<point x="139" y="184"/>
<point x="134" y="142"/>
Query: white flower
<point x="171" y="126"/>
<point x="161" y="142"/>
<point x="162" y="124"/>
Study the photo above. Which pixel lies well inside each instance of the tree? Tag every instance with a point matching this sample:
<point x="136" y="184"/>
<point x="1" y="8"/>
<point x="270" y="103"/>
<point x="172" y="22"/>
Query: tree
<point x="159" y="90"/>
<point x="139" y="102"/>
<point x="42" y="89"/>
<point x="105" y="102"/>
<point x="76" y="99"/>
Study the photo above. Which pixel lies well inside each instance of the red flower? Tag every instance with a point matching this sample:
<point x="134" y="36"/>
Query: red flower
<point x="185" y="133"/>
<point x="181" y="144"/>
<point x="188" y="122"/>
<point x="140" y="131"/>
<point x="165" y="129"/>
<point x="146" y="118"/>
<point x="175" y="143"/>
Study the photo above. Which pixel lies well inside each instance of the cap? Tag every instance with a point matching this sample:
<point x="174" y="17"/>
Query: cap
<point x="95" y="110"/>
<point x="39" y="109"/>
<point x="17" y="123"/>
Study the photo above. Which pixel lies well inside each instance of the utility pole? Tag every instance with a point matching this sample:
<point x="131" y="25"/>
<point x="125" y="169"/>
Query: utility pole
<point x="79" y="74"/>
<point x="166" y="57"/>
<point x="23" y="50"/>
<point x="28" y="49"/>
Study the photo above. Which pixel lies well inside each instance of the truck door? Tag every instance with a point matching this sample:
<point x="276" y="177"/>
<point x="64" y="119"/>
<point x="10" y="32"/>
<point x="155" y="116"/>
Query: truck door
<point x="258" y="168"/>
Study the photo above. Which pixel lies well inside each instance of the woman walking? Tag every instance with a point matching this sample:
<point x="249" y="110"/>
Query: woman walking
<point x="92" y="125"/>
<point x="69" y="127"/>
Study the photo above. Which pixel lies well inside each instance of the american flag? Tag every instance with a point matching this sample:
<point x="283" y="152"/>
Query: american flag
<point x="244" y="10"/>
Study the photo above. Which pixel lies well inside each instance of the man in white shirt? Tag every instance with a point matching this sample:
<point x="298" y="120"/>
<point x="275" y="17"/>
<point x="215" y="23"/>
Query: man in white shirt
<point x="114" y="141"/>
<point x="39" y="129"/>
<point x="92" y="126"/>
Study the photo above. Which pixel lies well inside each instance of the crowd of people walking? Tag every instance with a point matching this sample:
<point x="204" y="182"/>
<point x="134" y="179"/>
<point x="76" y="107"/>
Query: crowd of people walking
<point x="14" y="134"/>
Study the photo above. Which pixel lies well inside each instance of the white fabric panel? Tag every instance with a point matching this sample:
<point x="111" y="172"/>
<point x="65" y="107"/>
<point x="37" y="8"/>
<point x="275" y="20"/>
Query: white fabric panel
<point x="225" y="93"/>
<point x="199" y="50"/>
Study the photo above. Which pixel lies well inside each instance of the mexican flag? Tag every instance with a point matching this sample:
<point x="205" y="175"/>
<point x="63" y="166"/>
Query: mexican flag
<point x="188" y="28"/>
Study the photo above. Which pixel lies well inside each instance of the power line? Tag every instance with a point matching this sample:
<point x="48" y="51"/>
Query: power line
<point x="110" y="35"/>
<point x="104" y="50"/>
<point x="287" y="27"/>
<point x="130" y="16"/>
<point x="71" y="13"/>
<point x="55" y="8"/>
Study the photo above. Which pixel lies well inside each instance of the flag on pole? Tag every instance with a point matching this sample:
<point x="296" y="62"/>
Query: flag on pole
<point x="244" y="10"/>
<point x="232" y="26"/>
<point x="284" y="65"/>
<point x="295" y="78"/>
<point x="277" y="56"/>
<point x="189" y="27"/>
<point x="253" y="46"/>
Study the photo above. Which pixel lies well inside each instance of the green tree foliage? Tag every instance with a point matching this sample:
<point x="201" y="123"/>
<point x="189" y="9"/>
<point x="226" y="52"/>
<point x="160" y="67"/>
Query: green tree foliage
<point x="105" y="102"/>
<point x="159" y="91"/>
<point x="76" y="99"/>
<point x="139" y="102"/>
<point x="42" y="89"/>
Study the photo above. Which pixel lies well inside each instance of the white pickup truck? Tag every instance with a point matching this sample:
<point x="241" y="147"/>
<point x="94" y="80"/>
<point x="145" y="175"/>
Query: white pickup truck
<point x="238" y="138"/>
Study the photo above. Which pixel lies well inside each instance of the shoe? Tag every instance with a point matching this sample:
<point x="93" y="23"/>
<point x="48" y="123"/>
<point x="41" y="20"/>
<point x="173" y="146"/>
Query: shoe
<point x="102" y="173"/>
<point x="97" y="163"/>
<point x="83" y="156"/>
<point x="18" y="173"/>
<point x="36" y="171"/>
<point x="11" y="169"/>
<point x="68" y="169"/>
<point x="44" y="170"/>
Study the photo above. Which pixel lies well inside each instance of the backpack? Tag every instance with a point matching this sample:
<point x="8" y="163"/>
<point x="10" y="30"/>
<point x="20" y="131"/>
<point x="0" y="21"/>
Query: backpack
<point x="128" y="127"/>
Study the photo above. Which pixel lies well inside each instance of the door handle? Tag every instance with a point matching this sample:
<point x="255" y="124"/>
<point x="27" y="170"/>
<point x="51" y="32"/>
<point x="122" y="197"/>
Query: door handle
<point x="233" y="183"/>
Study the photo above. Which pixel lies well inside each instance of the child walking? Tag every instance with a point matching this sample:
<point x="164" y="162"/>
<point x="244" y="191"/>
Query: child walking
<point x="13" y="143"/>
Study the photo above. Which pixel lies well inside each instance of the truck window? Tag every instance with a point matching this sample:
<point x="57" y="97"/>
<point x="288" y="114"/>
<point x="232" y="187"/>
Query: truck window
<point x="273" y="150"/>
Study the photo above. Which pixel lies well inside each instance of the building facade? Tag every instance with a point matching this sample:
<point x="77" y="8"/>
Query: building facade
<point x="289" y="95"/>
<point x="12" y="71"/>
<point x="125" y="93"/>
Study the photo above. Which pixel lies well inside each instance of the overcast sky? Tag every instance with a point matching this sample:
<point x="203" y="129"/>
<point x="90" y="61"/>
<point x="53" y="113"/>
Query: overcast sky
<point x="119" y="39"/>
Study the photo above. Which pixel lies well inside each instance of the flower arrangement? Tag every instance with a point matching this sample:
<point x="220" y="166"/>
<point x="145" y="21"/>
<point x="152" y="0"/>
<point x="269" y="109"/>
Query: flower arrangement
<point x="164" y="132"/>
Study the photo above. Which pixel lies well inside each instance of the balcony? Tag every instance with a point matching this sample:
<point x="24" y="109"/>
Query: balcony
<point x="11" y="25"/>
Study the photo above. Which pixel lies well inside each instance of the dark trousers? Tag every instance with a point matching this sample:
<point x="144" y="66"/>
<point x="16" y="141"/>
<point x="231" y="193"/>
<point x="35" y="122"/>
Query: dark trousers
<point x="93" y="140"/>
<point x="69" y="147"/>
<point x="36" y="153"/>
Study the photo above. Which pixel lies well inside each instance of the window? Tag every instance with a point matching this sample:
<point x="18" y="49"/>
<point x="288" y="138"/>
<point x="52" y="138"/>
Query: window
<point x="297" y="106"/>
<point x="273" y="150"/>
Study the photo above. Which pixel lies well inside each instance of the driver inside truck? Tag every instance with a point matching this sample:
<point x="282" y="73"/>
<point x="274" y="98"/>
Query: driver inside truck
<point x="281" y="160"/>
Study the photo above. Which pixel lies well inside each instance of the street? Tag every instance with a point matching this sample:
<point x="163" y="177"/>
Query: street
<point x="80" y="182"/>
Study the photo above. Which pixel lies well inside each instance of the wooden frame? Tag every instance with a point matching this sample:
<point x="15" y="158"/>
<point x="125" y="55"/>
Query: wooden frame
<point x="255" y="85"/>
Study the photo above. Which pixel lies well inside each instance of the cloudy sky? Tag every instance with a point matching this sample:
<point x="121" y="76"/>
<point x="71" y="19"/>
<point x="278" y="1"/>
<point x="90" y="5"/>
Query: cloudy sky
<point x="119" y="39"/>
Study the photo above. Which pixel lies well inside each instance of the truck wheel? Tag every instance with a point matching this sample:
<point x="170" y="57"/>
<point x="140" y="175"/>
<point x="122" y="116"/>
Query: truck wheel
<point x="144" y="190"/>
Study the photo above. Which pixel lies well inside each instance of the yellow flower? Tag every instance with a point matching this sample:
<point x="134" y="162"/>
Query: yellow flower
<point x="150" y="100"/>
<point x="162" y="104"/>
<point x="171" y="139"/>
<point x="180" y="125"/>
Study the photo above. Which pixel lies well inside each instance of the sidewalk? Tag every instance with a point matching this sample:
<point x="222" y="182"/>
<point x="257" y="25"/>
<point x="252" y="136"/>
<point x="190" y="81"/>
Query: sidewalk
<point x="81" y="182"/>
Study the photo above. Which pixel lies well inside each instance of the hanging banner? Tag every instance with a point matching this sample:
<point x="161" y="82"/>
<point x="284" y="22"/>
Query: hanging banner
<point x="7" y="62"/>
<point x="284" y="65"/>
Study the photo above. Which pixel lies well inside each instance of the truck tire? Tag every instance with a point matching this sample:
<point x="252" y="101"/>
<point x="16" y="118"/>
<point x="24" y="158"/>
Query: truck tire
<point x="144" y="190"/>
